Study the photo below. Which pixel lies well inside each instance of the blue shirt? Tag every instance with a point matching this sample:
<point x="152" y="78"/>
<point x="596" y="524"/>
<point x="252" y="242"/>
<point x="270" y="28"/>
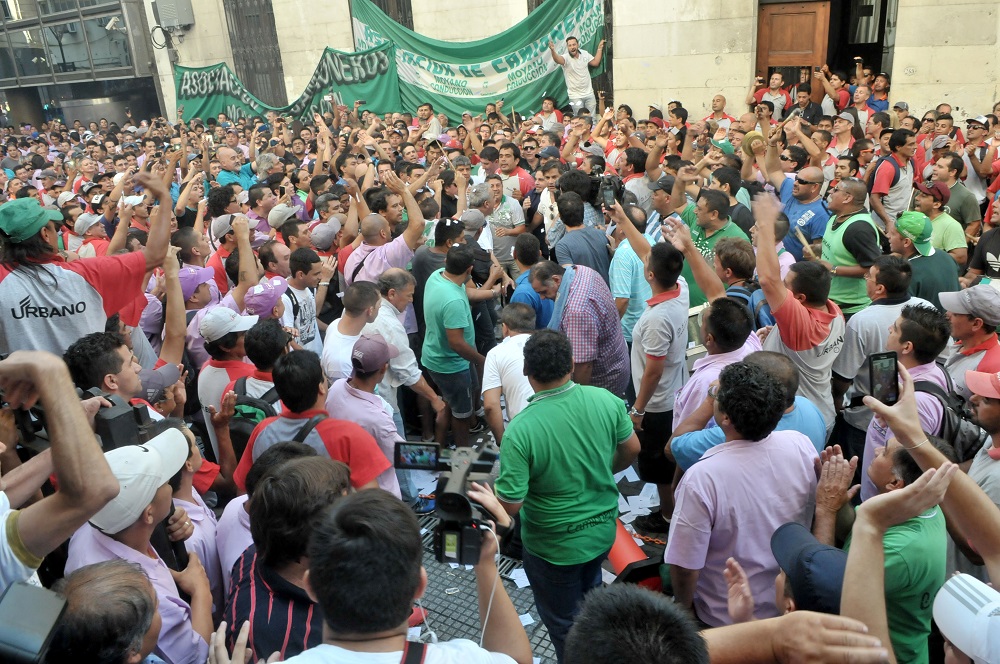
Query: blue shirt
<point x="628" y="280"/>
<point x="805" y="418"/>
<point x="526" y="294"/>
<point x="809" y="218"/>
<point x="244" y="177"/>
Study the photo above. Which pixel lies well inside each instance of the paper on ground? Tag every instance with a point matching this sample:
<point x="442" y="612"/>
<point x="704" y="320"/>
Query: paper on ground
<point x="413" y="633"/>
<point x="628" y="474"/>
<point x="608" y="577"/>
<point x="520" y="578"/>
<point x="526" y="619"/>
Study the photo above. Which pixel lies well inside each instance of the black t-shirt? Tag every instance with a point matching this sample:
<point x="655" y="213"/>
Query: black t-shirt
<point x="861" y="241"/>
<point x="186" y="219"/>
<point x="449" y="206"/>
<point x="986" y="257"/>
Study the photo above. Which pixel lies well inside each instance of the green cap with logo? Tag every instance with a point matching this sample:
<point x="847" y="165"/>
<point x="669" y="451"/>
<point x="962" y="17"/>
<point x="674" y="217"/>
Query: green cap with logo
<point x="916" y="227"/>
<point x="22" y="218"/>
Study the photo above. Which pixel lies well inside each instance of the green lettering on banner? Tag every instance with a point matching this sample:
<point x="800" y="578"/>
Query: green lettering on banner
<point x="395" y="69"/>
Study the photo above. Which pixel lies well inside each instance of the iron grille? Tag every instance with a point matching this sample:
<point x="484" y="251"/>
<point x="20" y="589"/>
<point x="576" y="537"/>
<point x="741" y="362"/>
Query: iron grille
<point x="256" y="54"/>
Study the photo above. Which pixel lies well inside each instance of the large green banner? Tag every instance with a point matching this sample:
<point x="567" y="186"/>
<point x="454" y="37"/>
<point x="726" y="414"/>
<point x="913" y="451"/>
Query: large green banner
<point x="370" y="75"/>
<point x="515" y="65"/>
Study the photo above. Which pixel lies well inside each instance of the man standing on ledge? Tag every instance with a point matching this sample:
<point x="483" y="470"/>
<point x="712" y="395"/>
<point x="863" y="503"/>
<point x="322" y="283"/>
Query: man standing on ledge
<point x="576" y="68"/>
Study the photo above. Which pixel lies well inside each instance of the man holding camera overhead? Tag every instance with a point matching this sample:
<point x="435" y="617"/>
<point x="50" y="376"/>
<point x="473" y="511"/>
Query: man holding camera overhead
<point x="557" y="468"/>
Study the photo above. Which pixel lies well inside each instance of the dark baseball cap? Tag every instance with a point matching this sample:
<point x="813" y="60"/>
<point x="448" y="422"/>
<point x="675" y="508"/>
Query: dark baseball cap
<point x="815" y="570"/>
<point x="664" y="184"/>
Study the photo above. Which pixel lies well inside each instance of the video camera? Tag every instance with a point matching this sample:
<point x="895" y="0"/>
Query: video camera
<point x="115" y="426"/>
<point x="605" y="190"/>
<point x="458" y="536"/>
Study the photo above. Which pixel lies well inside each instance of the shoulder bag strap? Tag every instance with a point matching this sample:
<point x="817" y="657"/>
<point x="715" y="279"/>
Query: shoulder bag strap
<point x="414" y="652"/>
<point x="307" y="428"/>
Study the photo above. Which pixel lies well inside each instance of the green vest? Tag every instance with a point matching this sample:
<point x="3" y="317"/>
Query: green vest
<point x="850" y="293"/>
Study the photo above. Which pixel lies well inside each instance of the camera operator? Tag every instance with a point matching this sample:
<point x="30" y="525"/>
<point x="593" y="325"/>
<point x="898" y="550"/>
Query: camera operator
<point x="122" y="530"/>
<point x="365" y="606"/>
<point x="110" y="616"/>
<point x="557" y="462"/>
<point x="85" y="482"/>
<point x="47" y="317"/>
<point x="103" y="360"/>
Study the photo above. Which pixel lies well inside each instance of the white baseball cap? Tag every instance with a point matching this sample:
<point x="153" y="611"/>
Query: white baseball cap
<point x="84" y="222"/>
<point x="279" y="214"/>
<point x="65" y="198"/>
<point x="220" y="321"/>
<point x="222" y="225"/>
<point x="141" y="470"/>
<point x="967" y="611"/>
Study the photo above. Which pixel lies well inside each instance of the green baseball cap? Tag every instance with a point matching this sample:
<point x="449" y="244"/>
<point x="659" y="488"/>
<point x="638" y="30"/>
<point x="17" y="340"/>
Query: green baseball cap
<point x="725" y="146"/>
<point x="916" y="227"/>
<point x="22" y="218"/>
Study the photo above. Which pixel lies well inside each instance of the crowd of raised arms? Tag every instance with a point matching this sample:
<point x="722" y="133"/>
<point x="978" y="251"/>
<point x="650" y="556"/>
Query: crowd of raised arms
<point x="782" y="315"/>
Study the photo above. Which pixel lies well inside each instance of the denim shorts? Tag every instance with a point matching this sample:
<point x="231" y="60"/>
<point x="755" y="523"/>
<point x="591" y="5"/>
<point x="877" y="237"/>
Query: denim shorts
<point x="456" y="390"/>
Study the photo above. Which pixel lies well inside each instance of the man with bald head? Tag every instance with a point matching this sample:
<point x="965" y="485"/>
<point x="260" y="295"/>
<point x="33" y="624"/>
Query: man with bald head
<point x="379" y="251"/>
<point x="232" y="172"/>
<point x="799" y="188"/>
<point x="851" y="245"/>
<point x="719" y="115"/>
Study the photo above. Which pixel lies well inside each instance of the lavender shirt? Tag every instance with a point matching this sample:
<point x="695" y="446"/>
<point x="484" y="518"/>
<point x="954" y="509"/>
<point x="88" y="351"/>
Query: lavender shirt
<point x="373" y="414"/>
<point x="729" y="504"/>
<point x="704" y="371"/>
<point x="233" y="536"/>
<point x="178" y="642"/>
<point x="203" y="542"/>
<point x="929" y="409"/>
<point x="379" y="259"/>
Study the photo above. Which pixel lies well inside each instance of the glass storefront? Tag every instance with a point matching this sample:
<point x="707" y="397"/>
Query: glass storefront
<point x="53" y="41"/>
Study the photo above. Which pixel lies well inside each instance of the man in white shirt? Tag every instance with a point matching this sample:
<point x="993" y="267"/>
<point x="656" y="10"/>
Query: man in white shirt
<point x="504" y="369"/>
<point x="361" y="302"/>
<point x="306" y="272"/>
<point x="576" y="68"/>
<point x="341" y="582"/>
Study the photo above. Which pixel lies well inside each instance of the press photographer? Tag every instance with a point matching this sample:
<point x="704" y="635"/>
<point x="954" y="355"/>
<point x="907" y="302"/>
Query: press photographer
<point x="84" y="479"/>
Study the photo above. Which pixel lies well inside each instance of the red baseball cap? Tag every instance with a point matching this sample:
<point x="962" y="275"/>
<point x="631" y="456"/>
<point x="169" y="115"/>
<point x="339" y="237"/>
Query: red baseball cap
<point x="984" y="384"/>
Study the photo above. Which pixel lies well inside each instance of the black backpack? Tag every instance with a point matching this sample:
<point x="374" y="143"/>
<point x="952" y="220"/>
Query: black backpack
<point x="957" y="428"/>
<point x="895" y="171"/>
<point x="250" y="411"/>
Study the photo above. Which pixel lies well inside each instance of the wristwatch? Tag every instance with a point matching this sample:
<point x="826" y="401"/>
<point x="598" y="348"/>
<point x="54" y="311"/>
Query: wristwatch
<point x="833" y="270"/>
<point x="633" y="411"/>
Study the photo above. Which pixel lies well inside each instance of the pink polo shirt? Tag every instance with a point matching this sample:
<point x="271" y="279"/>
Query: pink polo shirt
<point x="232" y="536"/>
<point x="929" y="409"/>
<point x="178" y="642"/>
<point x="203" y="542"/>
<point x="373" y="414"/>
<point x="706" y="370"/>
<point x="729" y="504"/>
<point x="377" y="260"/>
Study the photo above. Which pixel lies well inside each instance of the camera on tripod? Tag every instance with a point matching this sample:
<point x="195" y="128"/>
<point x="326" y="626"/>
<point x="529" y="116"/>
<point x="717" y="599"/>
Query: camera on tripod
<point x="459" y="534"/>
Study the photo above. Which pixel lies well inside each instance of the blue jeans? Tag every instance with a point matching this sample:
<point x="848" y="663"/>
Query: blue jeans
<point x="558" y="591"/>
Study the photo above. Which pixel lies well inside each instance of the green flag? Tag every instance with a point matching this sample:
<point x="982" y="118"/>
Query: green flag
<point x="515" y="65"/>
<point x="369" y="75"/>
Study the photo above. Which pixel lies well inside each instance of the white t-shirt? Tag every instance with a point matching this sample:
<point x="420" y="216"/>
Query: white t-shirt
<point x="336" y="357"/>
<point x="458" y="651"/>
<point x="577" y="72"/>
<point x="16" y="562"/>
<point x="305" y="322"/>
<point x="504" y="368"/>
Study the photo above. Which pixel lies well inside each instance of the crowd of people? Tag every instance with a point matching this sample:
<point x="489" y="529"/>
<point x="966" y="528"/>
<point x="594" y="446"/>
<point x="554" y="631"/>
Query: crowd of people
<point x="275" y="303"/>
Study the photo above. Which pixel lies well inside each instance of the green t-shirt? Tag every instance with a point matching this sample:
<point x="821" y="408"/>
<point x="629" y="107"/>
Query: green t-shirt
<point x="706" y="245"/>
<point x="556" y="458"/>
<point x="932" y="275"/>
<point x="947" y="234"/>
<point x="446" y="307"/>
<point x="915" y="561"/>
